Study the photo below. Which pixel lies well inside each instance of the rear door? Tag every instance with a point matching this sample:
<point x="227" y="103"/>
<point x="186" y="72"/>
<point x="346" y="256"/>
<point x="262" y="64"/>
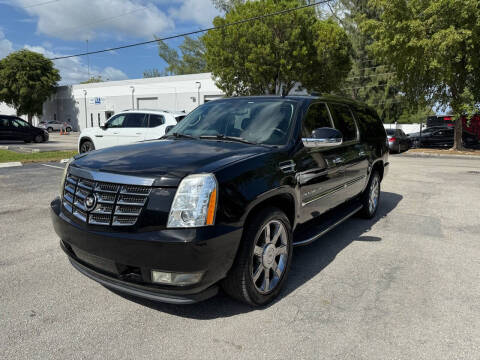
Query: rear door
<point x="133" y="129"/>
<point x="319" y="170"/>
<point x="352" y="152"/>
<point x="156" y="127"/>
<point x="5" y="130"/>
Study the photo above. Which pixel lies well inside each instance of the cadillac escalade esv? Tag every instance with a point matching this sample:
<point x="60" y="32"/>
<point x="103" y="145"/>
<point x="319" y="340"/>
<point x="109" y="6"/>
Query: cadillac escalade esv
<point x="222" y="198"/>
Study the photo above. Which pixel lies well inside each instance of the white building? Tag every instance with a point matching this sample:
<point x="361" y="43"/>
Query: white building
<point x="87" y="105"/>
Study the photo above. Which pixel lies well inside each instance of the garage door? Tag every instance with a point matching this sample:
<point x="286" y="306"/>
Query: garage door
<point x="147" y="103"/>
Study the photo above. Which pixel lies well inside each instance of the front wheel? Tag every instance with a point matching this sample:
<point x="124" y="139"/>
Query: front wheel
<point x="38" y="139"/>
<point x="86" y="146"/>
<point x="263" y="260"/>
<point x="371" y="197"/>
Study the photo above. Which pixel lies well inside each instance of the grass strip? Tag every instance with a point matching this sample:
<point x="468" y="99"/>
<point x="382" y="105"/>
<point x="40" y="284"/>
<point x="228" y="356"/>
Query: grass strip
<point x="8" y="156"/>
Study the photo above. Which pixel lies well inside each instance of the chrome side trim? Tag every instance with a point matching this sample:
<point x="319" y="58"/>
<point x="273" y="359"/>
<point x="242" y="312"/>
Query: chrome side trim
<point x="313" y="238"/>
<point x="110" y="178"/>
<point x="335" y="190"/>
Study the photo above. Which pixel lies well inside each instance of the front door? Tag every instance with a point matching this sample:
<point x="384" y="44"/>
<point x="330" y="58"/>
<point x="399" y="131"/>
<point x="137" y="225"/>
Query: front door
<point x="319" y="170"/>
<point x="352" y="152"/>
<point x="156" y="127"/>
<point x="108" y="136"/>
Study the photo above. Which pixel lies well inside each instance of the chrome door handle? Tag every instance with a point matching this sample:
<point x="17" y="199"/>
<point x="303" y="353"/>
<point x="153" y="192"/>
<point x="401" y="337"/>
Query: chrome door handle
<point x="338" y="161"/>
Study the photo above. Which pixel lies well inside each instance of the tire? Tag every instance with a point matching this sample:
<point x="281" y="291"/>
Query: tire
<point x="369" y="203"/>
<point x="86" y="146"/>
<point x="50" y="129"/>
<point x="38" y="139"/>
<point x="258" y="258"/>
<point x="68" y="129"/>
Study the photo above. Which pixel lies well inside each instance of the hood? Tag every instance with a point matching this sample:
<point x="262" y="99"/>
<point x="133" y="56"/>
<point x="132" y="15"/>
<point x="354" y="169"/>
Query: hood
<point x="168" y="161"/>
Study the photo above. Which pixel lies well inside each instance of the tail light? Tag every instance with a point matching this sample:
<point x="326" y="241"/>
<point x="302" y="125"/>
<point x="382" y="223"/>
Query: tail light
<point x="392" y="139"/>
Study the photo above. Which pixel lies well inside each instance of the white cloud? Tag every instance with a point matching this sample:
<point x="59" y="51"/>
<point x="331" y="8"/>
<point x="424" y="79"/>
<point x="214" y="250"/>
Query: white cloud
<point x="81" y="20"/>
<point x="6" y="46"/>
<point x="200" y="12"/>
<point x="74" y="71"/>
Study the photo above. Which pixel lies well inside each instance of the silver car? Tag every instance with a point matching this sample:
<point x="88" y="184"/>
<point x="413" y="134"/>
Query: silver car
<point x="55" y="126"/>
<point x="398" y="141"/>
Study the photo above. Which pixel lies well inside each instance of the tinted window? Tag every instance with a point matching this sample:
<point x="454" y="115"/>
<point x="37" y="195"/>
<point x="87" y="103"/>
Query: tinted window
<point x="180" y="118"/>
<point x="317" y="117"/>
<point x="3" y="123"/>
<point x="343" y="121"/>
<point x="134" y="120"/>
<point x="156" y="120"/>
<point x="116" y="121"/>
<point x="370" y="125"/>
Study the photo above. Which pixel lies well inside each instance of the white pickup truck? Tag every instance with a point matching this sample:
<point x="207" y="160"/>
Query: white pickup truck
<point x="128" y="127"/>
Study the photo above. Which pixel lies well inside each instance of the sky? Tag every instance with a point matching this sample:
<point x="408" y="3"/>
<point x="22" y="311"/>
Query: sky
<point x="62" y="27"/>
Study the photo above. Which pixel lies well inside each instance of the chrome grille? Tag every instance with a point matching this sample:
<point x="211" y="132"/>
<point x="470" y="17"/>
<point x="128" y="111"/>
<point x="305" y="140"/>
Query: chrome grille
<point x="116" y="204"/>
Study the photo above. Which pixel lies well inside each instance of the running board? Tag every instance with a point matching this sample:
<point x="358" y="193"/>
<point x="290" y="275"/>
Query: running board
<point x="316" y="228"/>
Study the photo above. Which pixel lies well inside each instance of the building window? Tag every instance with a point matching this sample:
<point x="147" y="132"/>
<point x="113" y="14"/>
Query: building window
<point x="91" y="119"/>
<point x="54" y="116"/>
<point x="98" y="119"/>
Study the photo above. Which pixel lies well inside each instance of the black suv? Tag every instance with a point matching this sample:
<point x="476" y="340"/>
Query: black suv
<point x="222" y="198"/>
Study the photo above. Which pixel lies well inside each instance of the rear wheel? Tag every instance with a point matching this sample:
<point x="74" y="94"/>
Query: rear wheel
<point x="371" y="196"/>
<point x="263" y="260"/>
<point x="86" y="146"/>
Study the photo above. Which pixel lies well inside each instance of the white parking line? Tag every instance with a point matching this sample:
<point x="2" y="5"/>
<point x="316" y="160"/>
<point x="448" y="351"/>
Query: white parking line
<point x="53" y="166"/>
<point x="10" y="164"/>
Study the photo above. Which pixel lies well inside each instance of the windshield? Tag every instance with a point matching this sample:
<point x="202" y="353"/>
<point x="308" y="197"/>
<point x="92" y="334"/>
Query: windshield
<point x="260" y="121"/>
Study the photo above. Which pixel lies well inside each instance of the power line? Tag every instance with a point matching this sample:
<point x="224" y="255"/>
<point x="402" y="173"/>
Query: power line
<point x="255" y="18"/>
<point x="40" y="4"/>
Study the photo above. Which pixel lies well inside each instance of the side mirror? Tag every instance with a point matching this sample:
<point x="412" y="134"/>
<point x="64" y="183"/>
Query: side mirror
<point x="168" y="128"/>
<point x="323" y="137"/>
<point x="104" y="127"/>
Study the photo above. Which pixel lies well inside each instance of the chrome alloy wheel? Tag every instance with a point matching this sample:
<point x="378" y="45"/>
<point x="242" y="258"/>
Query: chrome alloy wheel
<point x="374" y="194"/>
<point x="270" y="255"/>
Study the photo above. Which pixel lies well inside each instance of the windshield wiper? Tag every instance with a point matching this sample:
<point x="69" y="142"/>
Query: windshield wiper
<point x="228" y="138"/>
<point x="178" y="136"/>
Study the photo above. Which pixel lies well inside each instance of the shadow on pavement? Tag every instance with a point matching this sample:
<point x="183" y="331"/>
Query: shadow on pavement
<point x="308" y="261"/>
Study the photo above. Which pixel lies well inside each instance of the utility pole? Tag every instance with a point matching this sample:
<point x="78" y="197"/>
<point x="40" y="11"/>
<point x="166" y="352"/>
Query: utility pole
<point x="88" y="62"/>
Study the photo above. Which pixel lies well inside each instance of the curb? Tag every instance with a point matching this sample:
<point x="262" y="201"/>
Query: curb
<point x="10" y="164"/>
<point x="443" y="156"/>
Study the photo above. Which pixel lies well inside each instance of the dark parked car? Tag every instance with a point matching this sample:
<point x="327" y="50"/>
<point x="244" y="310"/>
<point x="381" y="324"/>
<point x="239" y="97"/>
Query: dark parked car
<point x="222" y="198"/>
<point x="14" y="128"/>
<point x="441" y="138"/>
<point x="398" y="141"/>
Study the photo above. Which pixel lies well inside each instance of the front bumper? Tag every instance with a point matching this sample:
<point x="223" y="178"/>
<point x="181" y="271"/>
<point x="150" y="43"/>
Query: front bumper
<point x="123" y="261"/>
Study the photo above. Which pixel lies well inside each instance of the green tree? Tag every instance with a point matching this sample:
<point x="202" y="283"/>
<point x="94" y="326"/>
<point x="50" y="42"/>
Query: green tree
<point x="93" y="79"/>
<point x="150" y="73"/>
<point x="27" y="80"/>
<point x="191" y="61"/>
<point x="433" y="46"/>
<point x="226" y="5"/>
<point x="272" y="55"/>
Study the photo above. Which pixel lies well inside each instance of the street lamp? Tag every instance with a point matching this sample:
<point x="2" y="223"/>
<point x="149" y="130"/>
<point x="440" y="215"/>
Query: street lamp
<point x="199" y="85"/>
<point x="85" y="98"/>
<point x="133" y="101"/>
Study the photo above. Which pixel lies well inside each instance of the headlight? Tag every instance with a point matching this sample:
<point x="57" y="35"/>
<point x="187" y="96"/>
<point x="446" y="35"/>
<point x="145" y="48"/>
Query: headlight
<point x="195" y="202"/>
<point x="65" y="171"/>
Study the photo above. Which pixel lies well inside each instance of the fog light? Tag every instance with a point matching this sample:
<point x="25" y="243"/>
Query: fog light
<point x="179" y="279"/>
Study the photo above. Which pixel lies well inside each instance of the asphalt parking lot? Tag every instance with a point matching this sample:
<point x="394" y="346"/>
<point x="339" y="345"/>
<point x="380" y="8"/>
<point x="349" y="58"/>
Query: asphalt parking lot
<point x="404" y="285"/>
<point x="55" y="143"/>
